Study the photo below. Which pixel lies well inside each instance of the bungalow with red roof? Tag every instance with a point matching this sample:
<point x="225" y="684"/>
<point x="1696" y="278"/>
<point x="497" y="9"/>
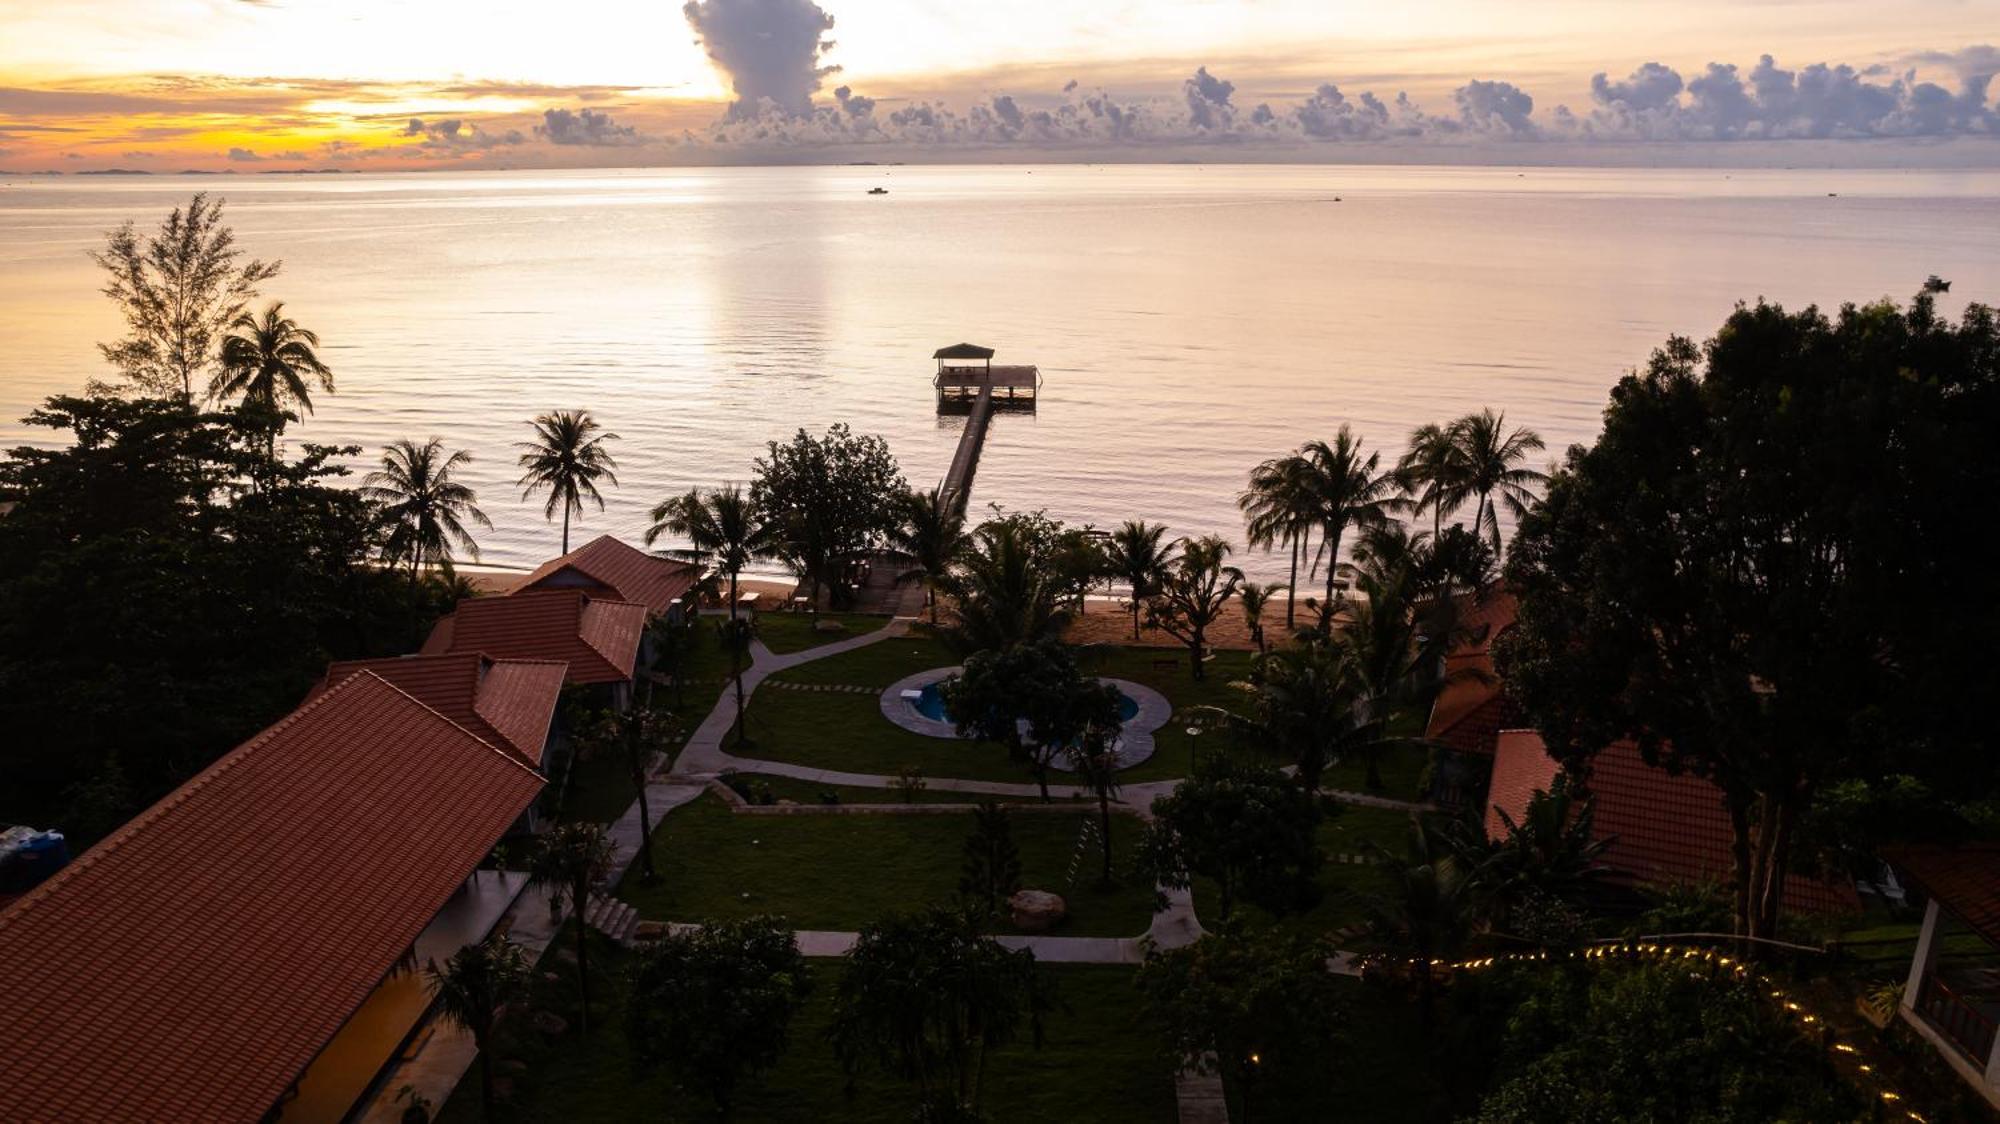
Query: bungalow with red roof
<point x="1471" y="710"/>
<point x="601" y="640"/>
<point x="1955" y="1002"/>
<point x="509" y="703"/>
<point x="243" y="949"/>
<point x="1663" y="829"/>
<point x="609" y="568"/>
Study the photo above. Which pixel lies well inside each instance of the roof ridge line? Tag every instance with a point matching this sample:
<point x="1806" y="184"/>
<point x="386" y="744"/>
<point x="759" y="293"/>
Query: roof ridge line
<point x="184" y="791"/>
<point x="505" y="754"/>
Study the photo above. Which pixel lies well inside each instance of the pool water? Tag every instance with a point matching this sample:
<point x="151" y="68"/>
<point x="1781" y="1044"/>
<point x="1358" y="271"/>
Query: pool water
<point x="931" y="705"/>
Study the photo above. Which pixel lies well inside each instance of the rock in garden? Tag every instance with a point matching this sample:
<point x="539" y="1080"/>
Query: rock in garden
<point x="1037" y="911"/>
<point x="649" y="931"/>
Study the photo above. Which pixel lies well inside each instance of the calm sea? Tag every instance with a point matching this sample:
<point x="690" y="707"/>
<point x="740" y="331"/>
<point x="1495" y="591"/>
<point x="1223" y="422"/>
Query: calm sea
<point x="1189" y="320"/>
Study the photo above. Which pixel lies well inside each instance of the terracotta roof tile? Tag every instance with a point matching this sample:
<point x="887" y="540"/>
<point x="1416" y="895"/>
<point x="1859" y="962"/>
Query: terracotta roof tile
<point x="192" y="964"/>
<point x="1963" y="878"/>
<point x="1471" y="709"/>
<point x="623" y="571"/>
<point x="508" y="703"/>
<point x="599" y="639"/>
<point x="1664" y="828"/>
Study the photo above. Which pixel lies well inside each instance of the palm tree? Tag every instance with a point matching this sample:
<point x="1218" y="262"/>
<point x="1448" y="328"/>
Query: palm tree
<point x="1192" y="593"/>
<point x="267" y="362"/>
<point x="932" y="537"/>
<point x="1278" y="508"/>
<point x="1254" y="598"/>
<point x="1432" y="473"/>
<point x="1006" y="595"/>
<point x="1551" y="852"/>
<point x="725" y="525"/>
<point x="1491" y="457"/>
<point x="1346" y="490"/>
<point x="568" y="458"/>
<point x="570" y="862"/>
<point x="1435" y="899"/>
<point x="424" y="510"/>
<point x="1138" y="552"/>
<point x="471" y="990"/>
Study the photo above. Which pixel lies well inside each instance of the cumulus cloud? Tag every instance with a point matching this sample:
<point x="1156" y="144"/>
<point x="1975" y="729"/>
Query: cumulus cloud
<point x="770" y="49"/>
<point x="1770" y="102"/>
<point x="459" y="135"/>
<point x="584" y="127"/>
<point x="1499" y="108"/>
<point x="243" y="156"/>
<point x="1207" y="100"/>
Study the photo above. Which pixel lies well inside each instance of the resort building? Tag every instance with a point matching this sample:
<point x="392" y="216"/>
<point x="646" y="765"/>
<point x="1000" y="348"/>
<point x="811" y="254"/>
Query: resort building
<point x="246" y="948"/>
<point x="1470" y="712"/>
<point x="609" y="568"/>
<point x="601" y="640"/>
<point x="510" y="704"/>
<point x="1952" y="996"/>
<point x="1663" y="829"/>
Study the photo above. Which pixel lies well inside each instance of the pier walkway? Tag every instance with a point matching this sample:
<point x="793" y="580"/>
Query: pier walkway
<point x="958" y="480"/>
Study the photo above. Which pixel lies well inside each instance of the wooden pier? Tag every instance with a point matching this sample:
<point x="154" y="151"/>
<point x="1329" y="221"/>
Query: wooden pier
<point x="968" y="381"/>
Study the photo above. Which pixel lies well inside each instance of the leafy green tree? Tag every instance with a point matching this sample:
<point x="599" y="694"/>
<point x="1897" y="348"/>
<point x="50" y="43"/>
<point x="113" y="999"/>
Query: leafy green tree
<point x="926" y="996"/>
<point x="1278" y="507"/>
<point x="1031" y="698"/>
<point x="833" y="499"/>
<point x="567" y="458"/>
<point x="422" y="506"/>
<point x="473" y="990"/>
<point x="1191" y="595"/>
<point x="268" y="361"/>
<point x="1760" y="572"/>
<point x="157" y="609"/>
<point x="726" y="529"/>
<point x="1093" y="754"/>
<point x="933" y="538"/>
<point x="1245" y="827"/>
<point x="674" y="640"/>
<point x="1655" y="1042"/>
<point x="571" y="861"/>
<point x="178" y="290"/>
<point x="1550" y="853"/>
<point x="714" y="1004"/>
<point x="1257" y="1006"/>
<point x="991" y="870"/>
<point x="1136" y="553"/>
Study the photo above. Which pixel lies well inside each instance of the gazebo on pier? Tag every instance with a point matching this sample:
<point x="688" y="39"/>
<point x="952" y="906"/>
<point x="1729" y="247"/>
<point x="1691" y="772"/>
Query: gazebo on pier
<point x="966" y="372"/>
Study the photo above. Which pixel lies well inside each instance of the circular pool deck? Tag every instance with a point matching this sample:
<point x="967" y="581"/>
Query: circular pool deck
<point x="1135" y="742"/>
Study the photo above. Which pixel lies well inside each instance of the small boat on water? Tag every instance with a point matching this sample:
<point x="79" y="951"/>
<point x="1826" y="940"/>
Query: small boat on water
<point x="878" y="191"/>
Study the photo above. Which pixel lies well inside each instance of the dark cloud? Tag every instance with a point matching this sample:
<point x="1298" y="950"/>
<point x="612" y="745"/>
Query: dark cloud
<point x="769" y="48"/>
<point x="584" y="127"/>
<point x="1770" y="102"/>
<point x="454" y="133"/>
<point x="1500" y="108"/>
<point x="243" y="156"/>
<point x="1207" y="99"/>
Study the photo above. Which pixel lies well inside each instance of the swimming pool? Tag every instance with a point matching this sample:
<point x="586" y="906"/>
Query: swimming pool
<point x="930" y="704"/>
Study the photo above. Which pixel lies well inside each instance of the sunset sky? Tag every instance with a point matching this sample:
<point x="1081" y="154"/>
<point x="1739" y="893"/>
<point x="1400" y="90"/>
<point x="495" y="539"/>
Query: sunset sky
<point x="169" y="84"/>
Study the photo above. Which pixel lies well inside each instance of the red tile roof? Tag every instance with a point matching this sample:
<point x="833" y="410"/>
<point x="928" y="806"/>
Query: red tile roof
<point x="508" y="703"/>
<point x="599" y="639"/>
<point x="1963" y="878"/>
<point x="1664" y="828"/>
<point x="1472" y="710"/>
<point x="622" y="571"/>
<point x="192" y="964"/>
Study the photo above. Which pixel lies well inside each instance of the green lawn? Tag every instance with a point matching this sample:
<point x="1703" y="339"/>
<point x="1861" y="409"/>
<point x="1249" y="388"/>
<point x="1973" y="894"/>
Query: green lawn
<point x="843" y="871"/>
<point x="796" y="632"/>
<point x="1344" y="886"/>
<point x="1098" y="1065"/>
<point x="808" y="792"/>
<point x="879" y="664"/>
<point x="847" y="732"/>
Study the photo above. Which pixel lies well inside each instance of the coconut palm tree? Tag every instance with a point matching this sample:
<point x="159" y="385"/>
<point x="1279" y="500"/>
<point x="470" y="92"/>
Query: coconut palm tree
<point x="725" y="525"/>
<point x="570" y="862"/>
<point x="568" y="458"/>
<point x="1192" y="594"/>
<point x="1432" y="473"/>
<point x="1436" y="896"/>
<point x="1006" y="594"/>
<point x="1138" y="552"/>
<point x="421" y="506"/>
<point x="1491" y="458"/>
<point x="268" y="361"/>
<point x="1278" y="508"/>
<point x="1255" y="598"/>
<point x="932" y="537"/>
<point x="471" y="990"/>
<point x="1346" y="489"/>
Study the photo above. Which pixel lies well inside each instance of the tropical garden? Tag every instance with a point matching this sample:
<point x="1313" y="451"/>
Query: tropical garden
<point x="1760" y="573"/>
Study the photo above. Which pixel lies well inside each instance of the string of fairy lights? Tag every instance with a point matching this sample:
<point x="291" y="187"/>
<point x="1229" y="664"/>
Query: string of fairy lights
<point x="1863" y="1075"/>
